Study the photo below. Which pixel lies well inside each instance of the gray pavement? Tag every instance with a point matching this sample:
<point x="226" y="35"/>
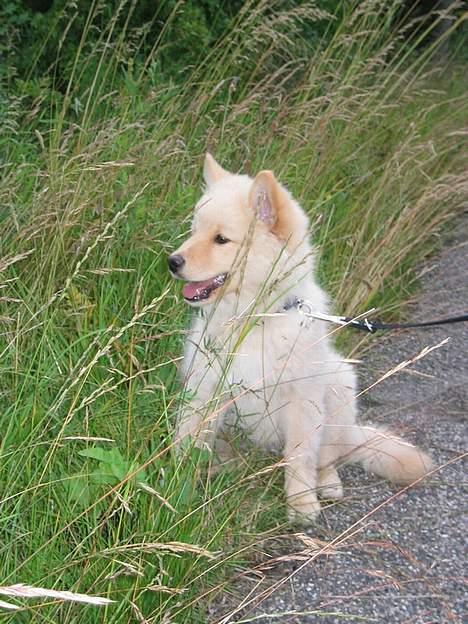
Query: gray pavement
<point x="405" y="561"/>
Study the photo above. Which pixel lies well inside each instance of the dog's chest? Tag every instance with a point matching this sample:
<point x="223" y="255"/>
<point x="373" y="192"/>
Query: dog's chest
<point x="262" y="372"/>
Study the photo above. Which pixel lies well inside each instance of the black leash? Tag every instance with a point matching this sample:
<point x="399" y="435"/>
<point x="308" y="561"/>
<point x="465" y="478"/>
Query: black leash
<point x="373" y="326"/>
<point x="363" y="324"/>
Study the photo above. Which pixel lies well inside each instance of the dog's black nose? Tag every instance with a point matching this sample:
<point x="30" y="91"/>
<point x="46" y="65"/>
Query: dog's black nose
<point x="175" y="263"/>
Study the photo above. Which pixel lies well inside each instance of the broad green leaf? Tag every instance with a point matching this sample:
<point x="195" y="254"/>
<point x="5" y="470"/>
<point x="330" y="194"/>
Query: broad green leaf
<point x="119" y="469"/>
<point x="96" y="452"/>
<point x="99" y="477"/>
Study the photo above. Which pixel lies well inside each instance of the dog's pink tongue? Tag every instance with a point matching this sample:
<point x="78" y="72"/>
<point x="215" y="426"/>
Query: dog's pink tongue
<point x="194" y="289"/>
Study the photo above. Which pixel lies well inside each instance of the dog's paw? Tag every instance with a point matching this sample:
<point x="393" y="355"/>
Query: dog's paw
<point x="304" y="511"/>
<point x="329" y="484"/>
<point x="332" y="492"/>
<point x="216" y="467"/>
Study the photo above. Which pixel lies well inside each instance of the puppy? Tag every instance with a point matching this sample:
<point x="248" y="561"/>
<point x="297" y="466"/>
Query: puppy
<point x="254" y="362"/>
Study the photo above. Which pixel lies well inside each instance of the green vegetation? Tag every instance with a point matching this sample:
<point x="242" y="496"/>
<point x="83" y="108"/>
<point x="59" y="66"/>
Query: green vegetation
<point x="101" y="159"/>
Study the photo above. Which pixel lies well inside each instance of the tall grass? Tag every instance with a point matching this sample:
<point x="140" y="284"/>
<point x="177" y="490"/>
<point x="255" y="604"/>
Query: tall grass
<point x="98" y="184"/>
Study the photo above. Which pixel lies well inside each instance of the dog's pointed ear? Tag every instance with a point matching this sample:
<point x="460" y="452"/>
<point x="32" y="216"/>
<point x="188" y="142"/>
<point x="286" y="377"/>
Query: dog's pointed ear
<point x="212" y="170"/>
<point x="270" y="204"/>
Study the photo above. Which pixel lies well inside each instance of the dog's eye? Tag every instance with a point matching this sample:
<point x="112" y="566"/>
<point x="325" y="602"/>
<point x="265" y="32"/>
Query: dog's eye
<point x="219" y="239"/>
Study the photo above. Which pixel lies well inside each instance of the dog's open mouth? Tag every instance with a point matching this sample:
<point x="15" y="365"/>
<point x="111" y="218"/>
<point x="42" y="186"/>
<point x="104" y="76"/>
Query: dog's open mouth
<point x="199" y="291"/>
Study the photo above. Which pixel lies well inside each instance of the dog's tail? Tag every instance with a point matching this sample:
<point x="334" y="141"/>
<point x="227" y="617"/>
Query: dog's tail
<point x="382" y="452"/>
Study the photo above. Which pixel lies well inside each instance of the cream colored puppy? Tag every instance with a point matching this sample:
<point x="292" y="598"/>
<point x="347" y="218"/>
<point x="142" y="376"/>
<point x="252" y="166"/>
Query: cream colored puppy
<point x="254" y="362"/>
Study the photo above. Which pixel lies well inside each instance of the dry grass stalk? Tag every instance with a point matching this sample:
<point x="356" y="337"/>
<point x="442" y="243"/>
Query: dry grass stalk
<point x="20" y="590"/>
<point x="176" y="548"/>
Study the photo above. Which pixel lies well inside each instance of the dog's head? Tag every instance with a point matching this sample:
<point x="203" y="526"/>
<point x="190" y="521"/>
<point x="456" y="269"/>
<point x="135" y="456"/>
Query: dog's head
<point x="241" y="228"/>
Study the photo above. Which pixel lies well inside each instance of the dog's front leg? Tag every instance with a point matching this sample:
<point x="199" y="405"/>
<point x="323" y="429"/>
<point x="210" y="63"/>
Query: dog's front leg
<point x="302" y="433"/>
<point x="196" y="426"/>
<point x="199" y="421"/>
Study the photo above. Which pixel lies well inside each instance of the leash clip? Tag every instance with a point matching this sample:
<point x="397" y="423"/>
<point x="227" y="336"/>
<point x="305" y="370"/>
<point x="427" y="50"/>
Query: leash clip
<point x="365" y="324"/>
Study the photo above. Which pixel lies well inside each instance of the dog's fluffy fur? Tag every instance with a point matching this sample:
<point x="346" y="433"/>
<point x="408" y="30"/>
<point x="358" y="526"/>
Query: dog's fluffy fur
<point x="253" y="362"/>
